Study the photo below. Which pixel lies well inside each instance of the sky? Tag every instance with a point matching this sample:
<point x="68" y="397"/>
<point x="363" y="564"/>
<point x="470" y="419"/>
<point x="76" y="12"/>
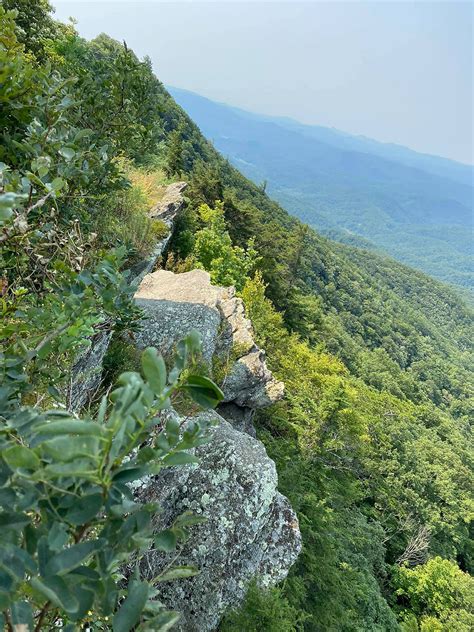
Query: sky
<point x="398" y="71"/>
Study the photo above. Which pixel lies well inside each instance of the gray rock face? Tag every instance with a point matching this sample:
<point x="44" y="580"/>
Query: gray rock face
<point x="176" y="303"/>
<point x="171" y="203"/>
<point x="251" y="530"/>
<point x="87" y="372"/>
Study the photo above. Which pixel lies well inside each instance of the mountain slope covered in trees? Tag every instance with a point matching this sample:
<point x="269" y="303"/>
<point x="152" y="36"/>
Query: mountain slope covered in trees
<point x="416" y="208"/>
<point x="372" y="441"/>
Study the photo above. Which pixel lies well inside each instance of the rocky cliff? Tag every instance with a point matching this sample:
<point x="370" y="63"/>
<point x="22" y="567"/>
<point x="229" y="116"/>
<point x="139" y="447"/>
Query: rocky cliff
<point x="250" y="530"/>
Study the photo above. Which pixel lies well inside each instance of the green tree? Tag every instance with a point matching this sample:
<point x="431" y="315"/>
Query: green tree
<point x="174" y="156"/>
<point x="213" y="250"/>
<point x="438" y="595"/>
<point x="35" y="25"/>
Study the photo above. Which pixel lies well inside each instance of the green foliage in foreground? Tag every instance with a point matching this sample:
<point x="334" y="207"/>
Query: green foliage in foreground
<point x="70" y="523"/>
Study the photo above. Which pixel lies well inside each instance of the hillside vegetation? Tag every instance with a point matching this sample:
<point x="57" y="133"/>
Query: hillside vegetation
<point x="372" y="441"/>
<point x="415" y="208"/>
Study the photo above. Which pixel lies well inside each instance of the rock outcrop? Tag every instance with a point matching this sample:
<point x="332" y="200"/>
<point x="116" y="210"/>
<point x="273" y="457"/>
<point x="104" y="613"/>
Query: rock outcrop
<point x="250" y="531"/>
<point x="176" y="303"/>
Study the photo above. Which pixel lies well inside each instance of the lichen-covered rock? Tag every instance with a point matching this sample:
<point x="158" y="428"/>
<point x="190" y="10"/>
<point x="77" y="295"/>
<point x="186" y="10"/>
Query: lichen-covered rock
<point x="86" y="373"/>
<point x="251" y="530"/>
<point x="176" y="303"/>
<point x="240" y="417"/>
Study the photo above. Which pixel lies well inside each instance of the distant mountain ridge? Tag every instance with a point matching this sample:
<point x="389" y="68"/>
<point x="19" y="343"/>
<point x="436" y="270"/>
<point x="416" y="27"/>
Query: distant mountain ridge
<point x="415" y="207"/>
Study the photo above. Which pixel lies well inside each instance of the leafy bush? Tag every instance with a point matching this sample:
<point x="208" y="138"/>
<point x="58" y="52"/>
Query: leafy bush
<point x="69" y="519"/>
<point x="213" y="250"/>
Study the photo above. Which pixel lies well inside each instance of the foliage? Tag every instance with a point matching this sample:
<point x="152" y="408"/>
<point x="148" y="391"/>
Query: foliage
<point x="55" y="278"/>
<point x="125" y="218"/>
<point x="348" y="455"/>
<point x="213" y="250"/>
<point x="35" y="26"/>
<point x="264" y="610"/>
<point x="438" y="595"/>
<point x="68" y="514"/>
<point x="174" y="158"/>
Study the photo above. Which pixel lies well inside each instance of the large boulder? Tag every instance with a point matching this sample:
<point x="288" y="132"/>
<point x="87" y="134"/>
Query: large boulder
<point x="174" y="304"/>
<point x="250" y="531"/>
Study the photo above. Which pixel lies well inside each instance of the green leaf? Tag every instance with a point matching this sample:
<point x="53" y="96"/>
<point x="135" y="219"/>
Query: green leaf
<point x="128" y="474"/>
<point x="57" y="536"/>
<point x="5" y="213"/>
<point x="172" y="429"/>
<point x="203" y="391"/>
<point x="188" y="519"/>
<point x="131" y="610"/>
<point x="67" y="152"/>
<point x="178" y="572"/>
<point x="14" y="520"/>
<point x="193" y="341"/>
<point x="64" y="449"/>
<point x="70" y="426"/>
<point x="56" y="590"/>
<point x="20" y="456"/>
<point x="84" y="509"/>
<point x="57" y="184"/>
<point x="166" y="540"/>
<point x="79" y="468"/>
<point x="72" y="557"/>
<point x="22" y="614"/>
<point x="154" y="369"/>
<point x="161" y="623"/>
<point x="180" y="458"/>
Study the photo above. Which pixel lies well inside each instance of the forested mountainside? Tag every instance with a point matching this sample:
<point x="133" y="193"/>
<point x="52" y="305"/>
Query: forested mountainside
<point x="415" y="208"/>
<point x="372" y="440"/>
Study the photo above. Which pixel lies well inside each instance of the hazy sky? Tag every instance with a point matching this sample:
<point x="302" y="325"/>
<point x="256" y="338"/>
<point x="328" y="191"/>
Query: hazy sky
<point x="395" y="71"/>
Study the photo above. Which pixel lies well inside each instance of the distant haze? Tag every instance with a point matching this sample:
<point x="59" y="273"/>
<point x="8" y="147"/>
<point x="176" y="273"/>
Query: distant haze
<point x="394" y="71"/>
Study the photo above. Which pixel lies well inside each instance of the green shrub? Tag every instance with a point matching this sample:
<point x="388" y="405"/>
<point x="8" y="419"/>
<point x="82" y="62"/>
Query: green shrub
<point x="213" y="250"/>
<point x="69" y="519"/>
